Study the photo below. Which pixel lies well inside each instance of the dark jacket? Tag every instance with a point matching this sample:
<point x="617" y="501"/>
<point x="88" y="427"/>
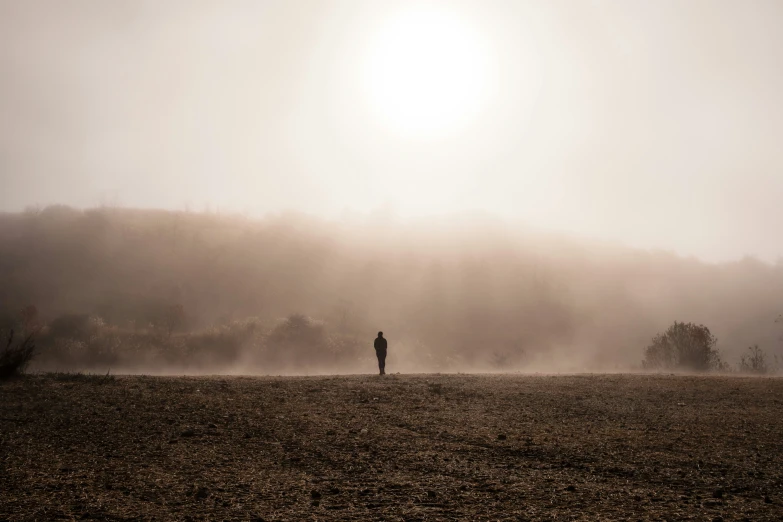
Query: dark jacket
<point x="380" y="344"/>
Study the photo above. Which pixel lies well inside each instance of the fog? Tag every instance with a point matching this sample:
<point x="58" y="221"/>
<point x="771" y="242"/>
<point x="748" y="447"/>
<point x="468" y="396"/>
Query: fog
<point x="247" y="186"/>
<point x="655" y="124"/>
<point x="156" y="291"/>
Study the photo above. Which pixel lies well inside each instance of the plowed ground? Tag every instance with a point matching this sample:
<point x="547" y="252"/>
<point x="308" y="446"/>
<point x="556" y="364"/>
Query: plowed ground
<point x="424" y="447"/>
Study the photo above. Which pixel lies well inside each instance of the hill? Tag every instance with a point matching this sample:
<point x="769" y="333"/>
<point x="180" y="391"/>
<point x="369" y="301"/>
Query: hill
<point x="457" y="293"/>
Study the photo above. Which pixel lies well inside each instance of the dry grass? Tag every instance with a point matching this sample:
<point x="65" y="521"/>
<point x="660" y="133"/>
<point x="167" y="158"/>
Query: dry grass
<point x="437" y="447"/>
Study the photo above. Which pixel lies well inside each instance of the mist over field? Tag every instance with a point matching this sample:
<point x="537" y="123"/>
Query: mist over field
<point x="178" y="292"/>
<point x="537" y="186"/>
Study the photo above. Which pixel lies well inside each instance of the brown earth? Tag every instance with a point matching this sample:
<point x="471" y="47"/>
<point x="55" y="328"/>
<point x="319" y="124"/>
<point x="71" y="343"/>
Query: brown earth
<point x="423" y="447"/>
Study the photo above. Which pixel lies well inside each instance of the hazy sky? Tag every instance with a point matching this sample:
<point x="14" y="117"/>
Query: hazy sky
<point x="658" y="123"/>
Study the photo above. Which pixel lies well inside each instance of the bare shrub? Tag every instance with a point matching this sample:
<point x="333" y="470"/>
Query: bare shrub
<point x="15" y="358"/>
<point x="683" y="346"/>
<point x="756" y="362"/>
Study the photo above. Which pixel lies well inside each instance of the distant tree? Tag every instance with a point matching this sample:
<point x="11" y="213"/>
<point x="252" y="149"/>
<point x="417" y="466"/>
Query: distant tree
<point x="755" y="361"/>
<point x="683" y="346"/>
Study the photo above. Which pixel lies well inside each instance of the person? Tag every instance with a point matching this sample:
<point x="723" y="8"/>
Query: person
<point x="380" y="352"/>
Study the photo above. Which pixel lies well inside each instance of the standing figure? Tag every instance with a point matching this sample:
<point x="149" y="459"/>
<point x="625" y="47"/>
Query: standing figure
<point x="380" y="352"/>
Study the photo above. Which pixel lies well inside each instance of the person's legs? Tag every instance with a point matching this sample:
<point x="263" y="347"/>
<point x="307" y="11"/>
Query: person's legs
<point x="381" y="362"/>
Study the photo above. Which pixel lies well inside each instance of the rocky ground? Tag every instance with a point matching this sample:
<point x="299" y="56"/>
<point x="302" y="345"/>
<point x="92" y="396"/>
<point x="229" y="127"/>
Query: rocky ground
<point x="423" y="447"/>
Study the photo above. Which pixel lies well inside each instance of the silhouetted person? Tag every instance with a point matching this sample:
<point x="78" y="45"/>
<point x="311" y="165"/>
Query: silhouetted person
<point x="380" y="352"/>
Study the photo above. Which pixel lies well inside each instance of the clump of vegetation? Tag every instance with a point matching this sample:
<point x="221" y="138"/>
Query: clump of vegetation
<point x="684" y="346"/>
<point x="756" y="362"/>
<point x="297" y="330"/>
<point x="81" y="342"/>
<point x="15" y="357"/>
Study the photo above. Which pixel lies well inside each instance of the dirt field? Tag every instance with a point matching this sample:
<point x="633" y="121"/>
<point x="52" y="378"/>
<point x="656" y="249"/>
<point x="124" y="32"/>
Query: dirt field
<point x="425" y="447"/>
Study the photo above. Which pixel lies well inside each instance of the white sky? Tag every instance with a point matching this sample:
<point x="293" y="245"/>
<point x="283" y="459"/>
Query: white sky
<point x="658" y="123"/>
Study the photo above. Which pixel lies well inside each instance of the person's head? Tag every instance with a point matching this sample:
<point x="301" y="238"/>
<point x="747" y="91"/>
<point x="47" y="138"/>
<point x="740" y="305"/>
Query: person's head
<point x="380" y="334"/>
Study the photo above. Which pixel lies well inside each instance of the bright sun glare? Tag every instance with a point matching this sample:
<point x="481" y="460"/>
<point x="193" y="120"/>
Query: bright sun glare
<point x="427" y="73"/>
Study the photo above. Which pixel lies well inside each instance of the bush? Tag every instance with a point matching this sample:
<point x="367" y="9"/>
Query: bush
<point x="298" y="339"/>
<point x="683" y="346"/>
<point x="755" y="361"/>
<point x="14" y="359"/>
<point x="297" y="330"/>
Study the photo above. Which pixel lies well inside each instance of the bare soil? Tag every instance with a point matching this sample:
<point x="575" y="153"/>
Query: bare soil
<point x="423" y="447"/>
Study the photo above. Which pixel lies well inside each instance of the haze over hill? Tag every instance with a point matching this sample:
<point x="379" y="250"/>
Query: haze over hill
<point x="466" y="292"/>
<point x="655" y="124"/>
<point x="494" y="184"/>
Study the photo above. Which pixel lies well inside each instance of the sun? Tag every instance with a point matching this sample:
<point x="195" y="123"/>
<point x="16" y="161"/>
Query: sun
<point x="426" y="73"/>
